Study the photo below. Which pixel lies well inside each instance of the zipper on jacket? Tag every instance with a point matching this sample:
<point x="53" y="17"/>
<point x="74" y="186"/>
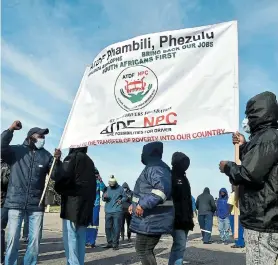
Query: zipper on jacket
<point x="29" y="177"/>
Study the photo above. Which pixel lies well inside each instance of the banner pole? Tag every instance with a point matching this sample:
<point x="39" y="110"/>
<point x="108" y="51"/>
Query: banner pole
<point x="236" y="208"/>
<point x="47" y="179"/>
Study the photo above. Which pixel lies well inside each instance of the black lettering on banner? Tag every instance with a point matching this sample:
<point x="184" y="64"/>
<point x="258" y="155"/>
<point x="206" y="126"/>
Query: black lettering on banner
<point x="116" y="126"/>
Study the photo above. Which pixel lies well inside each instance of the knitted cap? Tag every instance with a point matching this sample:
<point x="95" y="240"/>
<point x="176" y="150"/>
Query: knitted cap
<point x="112" y="181"/>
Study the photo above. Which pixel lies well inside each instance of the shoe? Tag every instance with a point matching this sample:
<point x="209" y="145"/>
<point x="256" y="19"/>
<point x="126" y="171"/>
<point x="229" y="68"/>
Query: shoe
<point x="87" y="245"/>
<point x="129" y="240"/>
<point x="235" y="246"/>
<point x="116" y="248"/>
<point x="207" y="243"/>
<point x="92" y="246"/>
<point x="108" y="246"/>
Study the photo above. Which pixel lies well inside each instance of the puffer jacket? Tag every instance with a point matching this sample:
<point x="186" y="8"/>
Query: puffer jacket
<point x="257" y="176"/>
<point x="28" y="172"/>
<point x="152" y="192"/>
<point x="205" y="203"/>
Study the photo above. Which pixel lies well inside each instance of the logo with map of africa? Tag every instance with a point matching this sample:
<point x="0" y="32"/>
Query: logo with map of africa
<point x="135" y="87"/>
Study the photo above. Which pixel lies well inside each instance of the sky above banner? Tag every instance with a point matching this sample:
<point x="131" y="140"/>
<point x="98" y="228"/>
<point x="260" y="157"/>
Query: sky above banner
<point x="44" y="57"/>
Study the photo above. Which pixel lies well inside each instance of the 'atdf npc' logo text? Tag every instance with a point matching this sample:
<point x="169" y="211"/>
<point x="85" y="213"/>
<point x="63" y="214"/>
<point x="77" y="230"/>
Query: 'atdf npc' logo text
<point x="135" y="87"/>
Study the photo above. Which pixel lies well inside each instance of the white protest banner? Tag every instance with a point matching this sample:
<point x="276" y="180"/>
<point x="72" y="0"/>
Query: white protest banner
<point x="173" y="85"/>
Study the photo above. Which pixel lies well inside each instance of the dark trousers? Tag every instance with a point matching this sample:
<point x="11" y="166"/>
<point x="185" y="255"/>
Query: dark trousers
<point x="206" y="222"/>
<point x="4" y="222"/>
<point x="113" y="225"/>
<point x="240" y="241"/>
<point x="144" y="248"/>
<point x="127" y="220"/>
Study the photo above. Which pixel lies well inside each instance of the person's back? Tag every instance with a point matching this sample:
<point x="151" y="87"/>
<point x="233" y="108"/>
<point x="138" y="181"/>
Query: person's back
<point x="205" y="203"/>
<point x="77" y="187"/>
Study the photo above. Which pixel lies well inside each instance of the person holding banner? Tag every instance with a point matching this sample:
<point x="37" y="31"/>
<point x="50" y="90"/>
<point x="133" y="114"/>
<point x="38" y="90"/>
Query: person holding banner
<point x="181" y="192"/>
<point x="77" y="187"/>
<point x="257" y="177"/>
<point x="152" y="207"/>
<point x="30" y="163"/>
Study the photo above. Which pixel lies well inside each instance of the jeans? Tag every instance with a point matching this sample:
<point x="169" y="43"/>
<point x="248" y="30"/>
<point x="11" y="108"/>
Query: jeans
<point x="178" y="247"/>
<point x="224" y="228"/>
<point x="113" y="225"/>
<point x="25" y="227"/>
<point x="205" y="222"/>
<point x="35" y="235"/>
<point x="127" y="219"/>
<point x="144" y="248"/>
<point x="240" y="241"/>
<point x="4" y="222"/>
<point x="261" y="248"/>
<point x="92" y="230"/>
<point x="74" y="238"/>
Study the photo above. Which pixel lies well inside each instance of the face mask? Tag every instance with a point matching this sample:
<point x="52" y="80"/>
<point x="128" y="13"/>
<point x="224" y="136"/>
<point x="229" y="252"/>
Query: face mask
<point x="245" y="125"/>
<point x="39" y="143"/>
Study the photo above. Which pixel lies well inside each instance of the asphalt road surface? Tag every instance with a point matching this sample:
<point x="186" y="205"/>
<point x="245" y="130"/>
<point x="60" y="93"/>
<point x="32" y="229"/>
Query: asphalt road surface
<point x="52" y="251"/>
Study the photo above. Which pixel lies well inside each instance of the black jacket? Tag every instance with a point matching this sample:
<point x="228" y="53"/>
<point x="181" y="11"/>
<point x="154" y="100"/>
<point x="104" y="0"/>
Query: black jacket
<point x="28" y="171"/>
<point x="77" y="187"/>
<point x="129" y="194"/>
<point x="205" y="203"/>
<point x="257" y="175"/>
<point x="181" y="191"/>
<point x="5" y="177"/>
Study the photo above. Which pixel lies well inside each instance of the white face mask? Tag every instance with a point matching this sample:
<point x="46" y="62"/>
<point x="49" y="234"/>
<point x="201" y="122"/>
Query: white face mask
<point x="245" y="125"/>
<point x="40" y="143"/>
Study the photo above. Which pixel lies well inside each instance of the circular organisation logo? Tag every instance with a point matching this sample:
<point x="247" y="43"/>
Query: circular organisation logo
<point x="135" y="87"/>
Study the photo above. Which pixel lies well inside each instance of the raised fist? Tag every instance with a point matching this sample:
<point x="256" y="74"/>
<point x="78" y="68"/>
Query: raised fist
<point x="15" y="126"/>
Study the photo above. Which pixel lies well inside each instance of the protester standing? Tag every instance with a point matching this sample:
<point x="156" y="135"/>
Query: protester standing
<point x="257" y="179"/>
<point x="206" y="207"/>
<point x="92" y="229"/>
<point x="77" y="187"/>
<point x="239" y="243"/>
<point x="127" y="215"/>
<point x="182" y="199"/>
<point x="152" y="207"/>
<point x="114" y="198"/>
<point x="30" y="163"/>
<point x="223" y="212"/>
<point x="5" y="177"/>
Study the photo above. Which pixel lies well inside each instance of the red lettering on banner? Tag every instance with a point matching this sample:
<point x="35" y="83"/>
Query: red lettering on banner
<point x="163" y="119"/>
<point x="188" y="136"/>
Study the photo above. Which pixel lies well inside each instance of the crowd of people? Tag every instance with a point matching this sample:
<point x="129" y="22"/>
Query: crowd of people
<point x="160" y="203"/>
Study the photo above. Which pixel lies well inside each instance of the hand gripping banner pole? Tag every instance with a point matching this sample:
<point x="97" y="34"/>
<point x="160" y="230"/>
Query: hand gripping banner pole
<point x="236" y="210"/>
<point x="64" y="132"/>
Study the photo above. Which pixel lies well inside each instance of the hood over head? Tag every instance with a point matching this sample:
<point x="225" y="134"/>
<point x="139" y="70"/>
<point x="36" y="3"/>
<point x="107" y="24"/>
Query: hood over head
<point x="206" y="190"/>
<point x="180" y="161"/>
<point x="223" y="190"/>
<point x="78" y="150"/>
<point x="125" y="186"/>
<point x="152" y="152"/>
<point x="262" y="112"/>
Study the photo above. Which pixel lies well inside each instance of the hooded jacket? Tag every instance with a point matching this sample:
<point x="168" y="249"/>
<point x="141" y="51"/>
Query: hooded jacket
<point x="181" y="191"/>
<point x="152" y="192"/>
<point x="77" y="186"/>
<point x="205" y="203"/>
<point x="29" y="168"/>
<point x="128" y="193"/>
<point x="223" y="208"/>
<point x="257" y="175"/>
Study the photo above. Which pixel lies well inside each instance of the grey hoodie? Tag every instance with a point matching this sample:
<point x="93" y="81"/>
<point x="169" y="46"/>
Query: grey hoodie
<point x="205" y="203"/>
